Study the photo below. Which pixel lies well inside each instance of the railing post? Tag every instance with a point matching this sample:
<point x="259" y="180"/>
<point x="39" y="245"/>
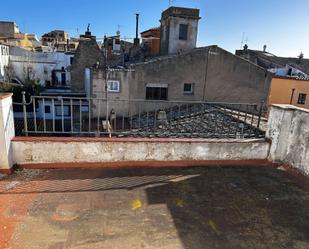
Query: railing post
<point x="260" y="115"/>
<point x="25" y="112"/>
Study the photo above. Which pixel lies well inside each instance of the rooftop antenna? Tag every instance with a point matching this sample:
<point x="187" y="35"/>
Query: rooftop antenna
<point x="242" y="40"/>
<point x="170" y="2"/>
<point x="246" y="40"/>
<point x="118" y="30"/>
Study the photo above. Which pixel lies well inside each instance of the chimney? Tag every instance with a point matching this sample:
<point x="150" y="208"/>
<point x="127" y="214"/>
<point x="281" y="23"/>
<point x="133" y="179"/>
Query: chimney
<point x="68" y="45"/>
<point x="264" y="48"/>
<point x="136" y="39"/>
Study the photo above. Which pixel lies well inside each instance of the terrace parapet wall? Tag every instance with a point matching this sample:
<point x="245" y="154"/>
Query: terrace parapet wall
<point x="288" y="129"/>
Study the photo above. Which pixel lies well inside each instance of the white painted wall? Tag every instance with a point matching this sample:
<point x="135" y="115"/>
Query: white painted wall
<point x="7" y="131"/>
<point x="42" y="63"/>
<point x="96" y="151"/>
<point x="288" y="128"/>
<point x="4" y="60"/>
<point x="284" y="71"/>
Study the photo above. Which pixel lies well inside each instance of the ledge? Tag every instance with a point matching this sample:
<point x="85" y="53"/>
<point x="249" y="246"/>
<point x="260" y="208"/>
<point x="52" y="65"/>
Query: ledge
<point x="134" y="140"/>
<point x="151" y="164"/>
<point x="5" y="95"/>
<point x="289" y="107"/>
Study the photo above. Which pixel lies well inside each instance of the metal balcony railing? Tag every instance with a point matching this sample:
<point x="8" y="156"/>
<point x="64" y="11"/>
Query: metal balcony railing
<point x="78" y="116"/>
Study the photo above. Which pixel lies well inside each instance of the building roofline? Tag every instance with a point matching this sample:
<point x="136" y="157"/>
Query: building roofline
<point x="166" y="57"/>
<point x="151" y="29"/>
<point x="289" y="78"/>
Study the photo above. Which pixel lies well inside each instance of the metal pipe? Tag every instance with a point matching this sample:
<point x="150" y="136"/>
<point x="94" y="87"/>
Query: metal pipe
<point x="25" y="113"/>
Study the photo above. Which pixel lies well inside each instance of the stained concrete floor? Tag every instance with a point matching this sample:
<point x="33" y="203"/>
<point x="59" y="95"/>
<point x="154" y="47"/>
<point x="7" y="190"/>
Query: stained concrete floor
<point x="189" y="208"/>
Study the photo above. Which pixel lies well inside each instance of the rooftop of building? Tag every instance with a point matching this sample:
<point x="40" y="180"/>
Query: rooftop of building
<point x="10" y="22"/>
<point x="269" y="60"/>
<point x="181" y="12"/>
<point x="150" y="30"/>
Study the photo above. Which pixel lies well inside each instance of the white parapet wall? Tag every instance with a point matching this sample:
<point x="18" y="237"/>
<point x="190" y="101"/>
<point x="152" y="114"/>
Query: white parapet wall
<point x="288" y="129"/>
<point x="6" y="131"/>
<point x="80" y="150"/>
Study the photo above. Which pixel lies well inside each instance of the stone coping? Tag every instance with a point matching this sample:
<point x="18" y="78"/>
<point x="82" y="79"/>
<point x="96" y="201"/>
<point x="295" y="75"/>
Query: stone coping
<point x="289" y="107"/>
<point x="134" y="140"/>
<point x="4" y="95"/>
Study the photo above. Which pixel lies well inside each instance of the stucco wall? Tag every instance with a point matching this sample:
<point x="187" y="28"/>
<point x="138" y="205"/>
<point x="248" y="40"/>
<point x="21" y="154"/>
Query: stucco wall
<point x="281" y="91"/>
<point x="288" y="128"/>
<point x="125" y="77"/>
<point x="217" y="75"/>
<point x="171" y="43"/>
<point x="96" y="150"/>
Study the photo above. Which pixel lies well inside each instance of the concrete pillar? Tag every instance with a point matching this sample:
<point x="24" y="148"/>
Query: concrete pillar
<point x="288" y="129"/>
<point x="7" y="132"/>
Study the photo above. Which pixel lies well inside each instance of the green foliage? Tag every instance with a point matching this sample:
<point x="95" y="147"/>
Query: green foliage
<point x="31" y="87"/>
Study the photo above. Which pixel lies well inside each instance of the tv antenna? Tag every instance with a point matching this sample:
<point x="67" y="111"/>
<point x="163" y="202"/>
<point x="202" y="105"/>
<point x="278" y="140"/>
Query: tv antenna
<point x="243" y="40"/>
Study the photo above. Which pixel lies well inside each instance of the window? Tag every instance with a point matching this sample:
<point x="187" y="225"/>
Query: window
<point x="301" y="98"/>
<point x="66" y="110"/>
<point x="113" y="86"/>
<point x="188" y="88"/>
<point x="71" y="60"/>
<point x="156" y="91"/>
<point x="47" y="109"/>
<point x="183" y="31"/>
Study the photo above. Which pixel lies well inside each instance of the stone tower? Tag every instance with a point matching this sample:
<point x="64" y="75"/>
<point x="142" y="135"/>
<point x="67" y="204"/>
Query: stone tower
<point x="178" y="29"/>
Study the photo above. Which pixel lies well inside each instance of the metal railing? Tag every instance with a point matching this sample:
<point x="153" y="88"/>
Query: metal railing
<point x="76" y="116"/>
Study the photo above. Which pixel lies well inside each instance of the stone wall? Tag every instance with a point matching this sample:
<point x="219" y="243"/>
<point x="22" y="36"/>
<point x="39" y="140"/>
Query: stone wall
<point x="88" y="55"/>
<point x="288" y="129"/>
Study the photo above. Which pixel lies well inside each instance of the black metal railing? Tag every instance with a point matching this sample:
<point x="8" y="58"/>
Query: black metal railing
<point x="75" y="116"/>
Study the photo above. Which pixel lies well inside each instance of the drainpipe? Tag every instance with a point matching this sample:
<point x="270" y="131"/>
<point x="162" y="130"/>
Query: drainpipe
<point x="292" y="95"/>
<point x="206" y="69"/>
<point x="209" y="52"/>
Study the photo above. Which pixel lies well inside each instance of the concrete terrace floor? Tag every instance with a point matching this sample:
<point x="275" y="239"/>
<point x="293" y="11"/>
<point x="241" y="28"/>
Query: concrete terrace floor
<point x="190" y="208"/>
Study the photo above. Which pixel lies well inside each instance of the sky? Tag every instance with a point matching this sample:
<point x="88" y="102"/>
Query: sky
<point x="282" y="25"/>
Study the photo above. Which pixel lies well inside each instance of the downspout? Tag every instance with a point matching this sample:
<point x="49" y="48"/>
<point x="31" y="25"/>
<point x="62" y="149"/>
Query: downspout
<point x="292" y="95"/>
<point x="206" y="69"/>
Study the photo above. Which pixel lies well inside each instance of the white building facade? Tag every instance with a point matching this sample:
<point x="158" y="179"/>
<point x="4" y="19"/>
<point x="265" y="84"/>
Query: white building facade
<point x="47" y="69"/>
<point x="4" y="60"/>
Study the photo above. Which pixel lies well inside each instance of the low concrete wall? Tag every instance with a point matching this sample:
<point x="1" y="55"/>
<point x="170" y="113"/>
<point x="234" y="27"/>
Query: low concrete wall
<point x="27" y="150"/>
<point x="288" y="129"/>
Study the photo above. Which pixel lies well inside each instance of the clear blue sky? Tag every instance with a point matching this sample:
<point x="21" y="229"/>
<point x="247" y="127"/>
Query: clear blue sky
<point x="283" y="25"/>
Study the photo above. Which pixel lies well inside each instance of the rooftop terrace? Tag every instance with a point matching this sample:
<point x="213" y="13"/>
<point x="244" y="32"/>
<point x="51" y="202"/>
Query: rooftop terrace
<point x="189" y="208"/>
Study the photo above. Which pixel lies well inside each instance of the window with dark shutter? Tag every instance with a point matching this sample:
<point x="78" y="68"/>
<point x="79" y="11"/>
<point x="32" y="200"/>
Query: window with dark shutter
<point x="183" y="31"/>
<point x="302" y="98"/>
<point x="188" y="88"/>
<point x="156" y="93"/>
